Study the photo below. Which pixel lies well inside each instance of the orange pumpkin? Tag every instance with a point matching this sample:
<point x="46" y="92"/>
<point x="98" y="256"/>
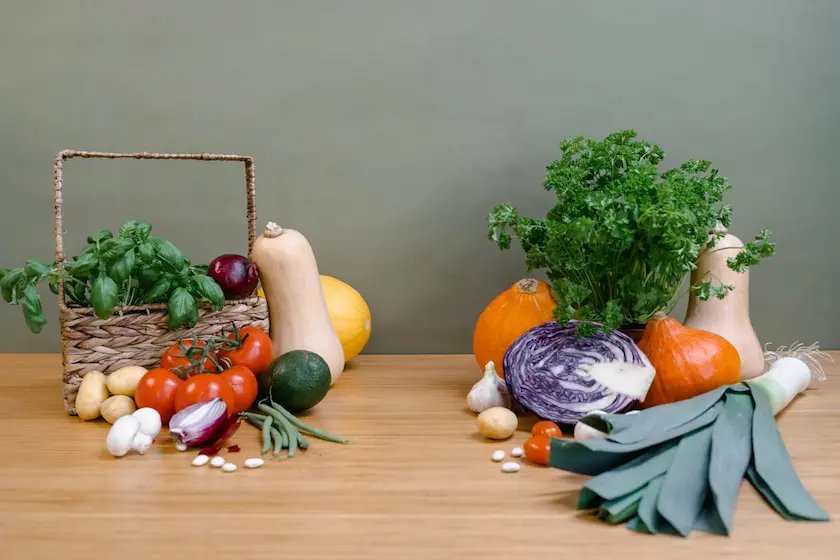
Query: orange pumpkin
<point x="523" y="306"/>
<point x="688" y="362"/>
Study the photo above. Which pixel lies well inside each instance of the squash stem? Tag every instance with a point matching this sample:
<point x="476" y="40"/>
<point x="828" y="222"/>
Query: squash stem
<point x="273" y="230"/>
<point x="527" y="286"/>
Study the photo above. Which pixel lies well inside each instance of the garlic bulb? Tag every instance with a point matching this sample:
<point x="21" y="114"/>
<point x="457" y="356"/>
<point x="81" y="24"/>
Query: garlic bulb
<point x="490" y="391"/>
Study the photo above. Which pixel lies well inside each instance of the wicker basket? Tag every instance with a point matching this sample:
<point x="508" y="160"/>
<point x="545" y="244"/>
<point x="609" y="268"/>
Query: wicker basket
<point x="138" y="335"/>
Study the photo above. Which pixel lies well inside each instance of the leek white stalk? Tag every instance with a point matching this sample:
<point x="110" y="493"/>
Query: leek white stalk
<point x="791" y="372"/>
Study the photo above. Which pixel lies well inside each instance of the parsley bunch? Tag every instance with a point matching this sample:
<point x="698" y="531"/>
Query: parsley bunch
<point x="623" y="235"/>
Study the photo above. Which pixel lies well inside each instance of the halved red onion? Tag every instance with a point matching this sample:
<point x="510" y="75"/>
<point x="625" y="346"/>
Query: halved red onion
<point x="200" y="423"/>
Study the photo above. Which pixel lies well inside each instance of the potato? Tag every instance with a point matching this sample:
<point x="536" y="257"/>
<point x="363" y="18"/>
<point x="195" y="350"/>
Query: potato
<point x="124" y="381"/>
<point x="497" y="423"/>
<point x="92" y="393"/>
<point x="116" y="407"/>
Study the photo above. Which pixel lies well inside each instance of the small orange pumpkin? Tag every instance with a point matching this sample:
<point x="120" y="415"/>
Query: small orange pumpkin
<point x="688" y="362"/>
<point x="523" y="306"/>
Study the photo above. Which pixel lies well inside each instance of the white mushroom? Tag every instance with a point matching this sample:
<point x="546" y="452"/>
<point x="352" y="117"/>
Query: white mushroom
<point x="121" y="435"/>
<point x="149" y="419"/>
<point x="135" y="432"/>
<point x="141" y="442"/>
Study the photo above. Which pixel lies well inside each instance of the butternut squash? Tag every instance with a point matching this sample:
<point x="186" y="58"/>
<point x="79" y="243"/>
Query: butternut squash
<point x="297" y="309"/>
<point x="728" y="317"/>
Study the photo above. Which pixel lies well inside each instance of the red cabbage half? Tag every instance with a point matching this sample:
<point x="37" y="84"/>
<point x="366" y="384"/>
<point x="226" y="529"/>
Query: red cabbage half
<point x="561" y="377"/>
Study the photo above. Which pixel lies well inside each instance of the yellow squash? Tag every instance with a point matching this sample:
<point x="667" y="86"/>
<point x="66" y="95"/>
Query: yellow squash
<point x="349" y="313"/>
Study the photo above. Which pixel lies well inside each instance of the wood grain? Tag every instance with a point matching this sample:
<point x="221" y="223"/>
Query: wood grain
<point x="417" y="483"/>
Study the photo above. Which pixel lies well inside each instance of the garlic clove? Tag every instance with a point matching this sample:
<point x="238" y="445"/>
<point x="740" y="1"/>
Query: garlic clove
<point x="585" y="431"/>
<point x="489" y="391"/>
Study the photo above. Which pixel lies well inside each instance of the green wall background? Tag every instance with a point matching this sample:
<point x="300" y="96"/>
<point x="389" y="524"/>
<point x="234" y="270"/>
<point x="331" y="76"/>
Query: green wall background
<point x="385" y="131"/>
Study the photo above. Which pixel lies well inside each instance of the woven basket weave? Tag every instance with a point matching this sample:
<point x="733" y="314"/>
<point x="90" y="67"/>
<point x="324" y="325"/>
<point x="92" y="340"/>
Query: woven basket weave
<point x="138" y="335"/>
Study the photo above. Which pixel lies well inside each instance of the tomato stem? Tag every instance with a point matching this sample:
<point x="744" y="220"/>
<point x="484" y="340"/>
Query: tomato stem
<point x="197" y="354"/>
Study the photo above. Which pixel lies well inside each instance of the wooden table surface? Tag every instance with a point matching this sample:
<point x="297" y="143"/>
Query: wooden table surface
<point x="417" y="483"/>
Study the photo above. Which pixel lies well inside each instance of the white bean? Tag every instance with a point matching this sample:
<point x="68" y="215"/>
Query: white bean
<point x="201" y="460"/>
<point x="181" y="446"/>
<point x="254" y="462"/>
<point x="228" y="467"/>
<point x="498" y="455"/>
<point x="517" y="452"/>
<point x="510" y="467"/>
<point x="217" y="461"/>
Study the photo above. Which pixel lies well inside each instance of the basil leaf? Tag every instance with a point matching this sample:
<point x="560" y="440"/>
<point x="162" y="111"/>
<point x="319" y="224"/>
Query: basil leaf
<point x="128" y="228"/>
<point x="7" y="284"/>
<point x="103" y="296"/>
<point x="111" y="249"/>
<point x="100" y="236"/>
<point x="20" y="286"/>
<point x="83" y="265"/>
<point x="123" y="267"/>
<point x="207" y="288"/>
<point x="148" y="275"/>
<point x="200" y="268"/>
<point x="158" y="290"/>
<point x="182" y="309"/>
<point x="3" y="272"/>
<point x="76" y="291"/>
<point x="168" y="253"/>
<point x="31" y="305"/>
<point x="35" y="268"/>
<point x="143" y="230"/>
<point x="54" y="285"/>
<point x="146" y="252"/>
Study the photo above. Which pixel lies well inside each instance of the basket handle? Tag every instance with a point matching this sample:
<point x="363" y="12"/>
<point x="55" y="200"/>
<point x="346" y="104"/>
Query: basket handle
<point x="58" y="183"/>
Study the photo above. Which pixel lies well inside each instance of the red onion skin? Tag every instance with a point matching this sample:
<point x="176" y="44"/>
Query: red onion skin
<point x="235" y="274"/>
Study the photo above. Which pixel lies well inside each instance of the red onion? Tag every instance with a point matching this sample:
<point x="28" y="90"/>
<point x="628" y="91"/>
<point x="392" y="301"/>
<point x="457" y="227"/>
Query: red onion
<point x="200" y="423"/>
<point x="235" y="274"/>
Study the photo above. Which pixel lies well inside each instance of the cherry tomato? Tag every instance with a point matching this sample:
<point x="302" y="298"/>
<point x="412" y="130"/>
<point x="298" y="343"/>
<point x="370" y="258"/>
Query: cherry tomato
<point x="546" y="428"/>
<point x="174" y="358"/>
<point x="157" y="390"/>
<point x="255" y="351"/>
<point x="205" y="387"/>
<point x="244" y="384"/>
<point x="537" y="449"/>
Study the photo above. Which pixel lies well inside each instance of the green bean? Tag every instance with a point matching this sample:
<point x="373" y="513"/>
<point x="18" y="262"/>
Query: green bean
<point x="278" y="441"/>
<point x="302" y="441"/>
<point x="255" y="421"/>
<point x="285" y="426"/>
<point x="285" y="437"/>
<point x="292" y="433"/>
<point x="322" y="434"/>
<point x="254" y="418"/>
<point x="266" y="434"/>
